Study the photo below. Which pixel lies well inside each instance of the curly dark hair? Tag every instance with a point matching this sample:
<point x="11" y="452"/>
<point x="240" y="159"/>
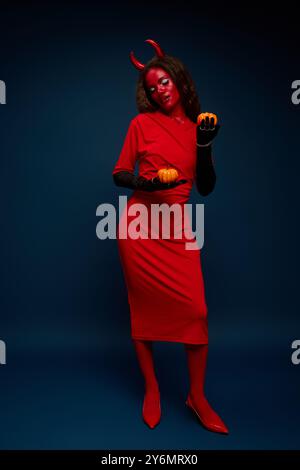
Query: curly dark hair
<point x="182" y="79"/>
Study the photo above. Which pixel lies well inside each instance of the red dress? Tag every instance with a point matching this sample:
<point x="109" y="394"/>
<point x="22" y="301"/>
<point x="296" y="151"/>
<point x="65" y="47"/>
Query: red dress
<point x="164" y="280"/>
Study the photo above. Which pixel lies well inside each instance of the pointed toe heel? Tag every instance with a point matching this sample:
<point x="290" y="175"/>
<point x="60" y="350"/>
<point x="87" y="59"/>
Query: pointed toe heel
<point x="211" y="423"/>
<point x="151" y="411"/>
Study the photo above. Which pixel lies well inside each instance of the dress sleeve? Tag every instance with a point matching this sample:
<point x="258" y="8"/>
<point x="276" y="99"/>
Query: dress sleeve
<point x="129" y="153"/>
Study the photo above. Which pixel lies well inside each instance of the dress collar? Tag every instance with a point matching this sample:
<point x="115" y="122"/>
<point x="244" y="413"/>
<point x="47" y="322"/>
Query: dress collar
<point x="184" y="134"/>
<point x="164" y="118"/>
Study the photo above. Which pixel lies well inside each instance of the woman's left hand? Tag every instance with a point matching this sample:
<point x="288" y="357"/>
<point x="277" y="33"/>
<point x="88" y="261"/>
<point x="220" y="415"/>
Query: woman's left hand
<point x="207" y="131"/>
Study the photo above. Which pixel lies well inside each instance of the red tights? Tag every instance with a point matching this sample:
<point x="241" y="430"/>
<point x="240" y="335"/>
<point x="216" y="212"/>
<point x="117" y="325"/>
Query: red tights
<point x="196" y="359"/>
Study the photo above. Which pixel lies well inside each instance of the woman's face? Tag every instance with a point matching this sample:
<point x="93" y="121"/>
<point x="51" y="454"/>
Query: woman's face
<point x="162" y="89"/>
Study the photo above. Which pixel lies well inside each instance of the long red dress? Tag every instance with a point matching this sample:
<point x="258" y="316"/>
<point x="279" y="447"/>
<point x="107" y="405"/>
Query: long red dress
<point x="164" y="280"/>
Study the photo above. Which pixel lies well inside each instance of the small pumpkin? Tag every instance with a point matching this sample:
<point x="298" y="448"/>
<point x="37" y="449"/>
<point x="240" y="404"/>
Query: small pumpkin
<point x="167" y="175"/>
<point x="205" y="115"/>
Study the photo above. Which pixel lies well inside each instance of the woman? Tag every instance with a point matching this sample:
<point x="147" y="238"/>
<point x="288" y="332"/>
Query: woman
<point x="163" y="278"/>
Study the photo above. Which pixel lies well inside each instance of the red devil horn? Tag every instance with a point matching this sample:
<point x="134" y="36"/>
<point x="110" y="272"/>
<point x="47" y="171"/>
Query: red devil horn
<point x="138" y="65"/>
<point x="158" y="50"/>
<point x="156" y="46"/>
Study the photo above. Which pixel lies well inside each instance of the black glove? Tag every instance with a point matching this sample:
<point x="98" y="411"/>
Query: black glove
<point x="205" y="171"/>
<point x="207" y="131"/>
<point x="129" y="180"/>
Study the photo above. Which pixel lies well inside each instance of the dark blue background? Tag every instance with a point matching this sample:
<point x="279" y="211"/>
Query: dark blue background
<point x="71" y="380"/>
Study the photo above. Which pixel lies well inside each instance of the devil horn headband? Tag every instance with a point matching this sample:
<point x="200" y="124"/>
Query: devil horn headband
<point x="158" y="50"/>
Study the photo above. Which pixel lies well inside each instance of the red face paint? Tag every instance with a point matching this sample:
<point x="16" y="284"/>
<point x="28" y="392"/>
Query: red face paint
<point x="162" y="89"/>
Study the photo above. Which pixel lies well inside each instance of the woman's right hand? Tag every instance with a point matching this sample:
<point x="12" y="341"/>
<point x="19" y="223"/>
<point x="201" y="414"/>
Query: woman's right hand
<point x="127" y="179"/>
<point x="154" y="184"/>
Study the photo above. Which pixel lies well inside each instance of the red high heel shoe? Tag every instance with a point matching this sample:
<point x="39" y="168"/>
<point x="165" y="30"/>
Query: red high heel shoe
<point x="208" y="417"/>
<point x="151" y="411"/>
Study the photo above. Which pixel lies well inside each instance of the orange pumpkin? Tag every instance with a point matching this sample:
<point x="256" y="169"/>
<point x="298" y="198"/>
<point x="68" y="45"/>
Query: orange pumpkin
<point x="167" y="175"/>
<point x="204" y="115"/>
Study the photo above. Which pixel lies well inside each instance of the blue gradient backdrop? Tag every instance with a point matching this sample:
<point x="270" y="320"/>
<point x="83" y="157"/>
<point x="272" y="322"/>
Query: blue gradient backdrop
<point x="71" y="380"/>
